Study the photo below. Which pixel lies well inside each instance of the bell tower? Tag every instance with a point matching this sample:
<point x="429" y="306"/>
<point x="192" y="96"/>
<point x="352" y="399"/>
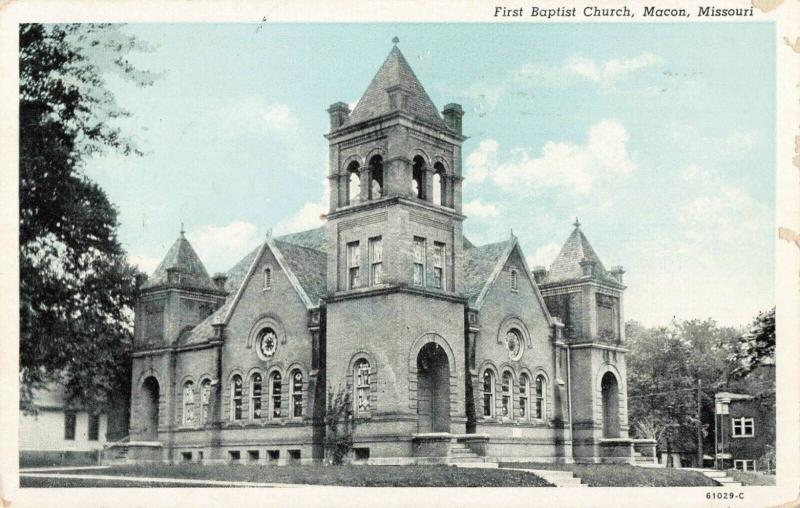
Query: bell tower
<point x="395" y="290"/>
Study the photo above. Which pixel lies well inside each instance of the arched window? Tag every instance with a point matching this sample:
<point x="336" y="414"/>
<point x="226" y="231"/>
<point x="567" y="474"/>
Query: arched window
<point x="353" y="184"/>
<point x="418" y="177"/>
<point x="275" y="395"/>
<point x="188" y="404"/>
<point x="439" y="192"/>
<point x="514" y="280"/>
<point x="236" y="398"/>
<point x="376" y="177"/>
<point x="541" y="390"/>
<point x="507" y="403"/>
<point x="361" y="377"/>
<point x="205" y="400"/>
<point x="268" y="278"/>
<point x="524" y="388"/>
<point x="488" y="393"/>
<point x="297" y="393"/>
<point x="255" y="396"/>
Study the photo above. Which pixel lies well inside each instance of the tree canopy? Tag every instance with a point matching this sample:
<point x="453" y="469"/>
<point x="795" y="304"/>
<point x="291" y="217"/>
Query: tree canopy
<point x="76" y="287"/>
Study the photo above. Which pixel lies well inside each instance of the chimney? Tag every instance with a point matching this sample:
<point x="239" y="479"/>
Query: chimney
<point x="616" y="272"/>
<point x="452" y="116"/>
<point x="219" y="280"/>
<point x="339" y="112"/>
<point x="219" y="327"/>
<point x="539" y="274"/>
<point x="588" y="267"/>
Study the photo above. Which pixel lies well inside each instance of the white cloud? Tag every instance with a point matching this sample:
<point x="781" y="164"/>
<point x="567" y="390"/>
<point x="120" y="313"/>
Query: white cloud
<point x="607" y="72"/>
<point x="252" y="116"/>
<point x="479" y="161"/>
<point x="544" y="256"/>
<point x="559" y="164"/>
<point x="220" y="247"/>
<point x="480" y="210"/>
<point x="146" y="264"/>
<point x="308" y="217"/>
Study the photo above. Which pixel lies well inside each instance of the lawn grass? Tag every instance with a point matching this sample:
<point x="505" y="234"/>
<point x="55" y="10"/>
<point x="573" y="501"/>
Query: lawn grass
<point x="34" y="482"/>
<point x="751" y="477"/>
<point x="355" y="476"/>
<point x="623" y="475"/>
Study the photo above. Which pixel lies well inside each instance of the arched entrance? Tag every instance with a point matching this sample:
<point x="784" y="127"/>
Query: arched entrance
<point x="610" y="392"/>
<point x="150" y="395"/>
<point x="433" y="389"/>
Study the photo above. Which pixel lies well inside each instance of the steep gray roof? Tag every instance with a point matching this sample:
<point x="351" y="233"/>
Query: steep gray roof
<point x="479" y="263"/>
<point x="395" y="72"/>
<point x="182" y="258"/>
<point x="567" y="266"/>
<point x="309" y="266"/>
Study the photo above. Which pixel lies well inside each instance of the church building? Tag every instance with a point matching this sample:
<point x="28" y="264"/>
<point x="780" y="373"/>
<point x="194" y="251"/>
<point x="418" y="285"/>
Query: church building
<point x="449" y="351"/>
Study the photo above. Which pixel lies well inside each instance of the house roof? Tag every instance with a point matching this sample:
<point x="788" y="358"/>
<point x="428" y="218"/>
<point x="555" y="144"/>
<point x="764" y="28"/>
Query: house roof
<point x="567" y="265"/>
<point x="182" y="258"/>
<point x="395" y="72"/>
<point x="479" y="264"/>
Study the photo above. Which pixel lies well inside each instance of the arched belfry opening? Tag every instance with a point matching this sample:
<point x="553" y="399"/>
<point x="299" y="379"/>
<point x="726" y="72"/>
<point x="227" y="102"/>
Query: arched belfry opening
<point x="610" y="394"/>
<point x="375" y="177"/>
<point x="150" y="400"/>
<point x="418" y="177"/>
<point x="353" y="183"/>
<point x="439" y="191"/>
<point x="433" y="389"/>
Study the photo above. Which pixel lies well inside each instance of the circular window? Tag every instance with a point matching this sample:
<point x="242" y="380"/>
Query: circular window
<point x="267" y="343"/>
<point x="514" y="344"/>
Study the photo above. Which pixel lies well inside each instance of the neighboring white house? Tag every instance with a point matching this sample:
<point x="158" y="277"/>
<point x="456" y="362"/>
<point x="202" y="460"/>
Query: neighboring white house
<point x="57" y="429"/>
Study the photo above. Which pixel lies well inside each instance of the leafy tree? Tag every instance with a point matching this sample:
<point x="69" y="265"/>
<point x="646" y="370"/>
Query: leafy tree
<point x="340" y="426"/>
<point x="756" y="345"/>
<point x="76" y="288"/>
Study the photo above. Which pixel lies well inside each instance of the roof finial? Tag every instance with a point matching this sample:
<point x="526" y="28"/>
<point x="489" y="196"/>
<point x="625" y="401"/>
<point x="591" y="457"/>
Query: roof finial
<point x="183" y="231"/>
<point x="577" y="223"/>
<point x="395" y="40"/>
<point x="269" y="233"/>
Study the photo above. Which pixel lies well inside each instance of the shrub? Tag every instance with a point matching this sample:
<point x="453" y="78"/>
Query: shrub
<point x="340" y="426"/>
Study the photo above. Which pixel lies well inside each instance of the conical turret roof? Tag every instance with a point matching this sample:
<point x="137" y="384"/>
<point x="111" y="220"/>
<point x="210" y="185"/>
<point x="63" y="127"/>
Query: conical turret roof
<point x="567" y="265"/>
<point x="395" y="72"/>
<point x="184" y="261"/>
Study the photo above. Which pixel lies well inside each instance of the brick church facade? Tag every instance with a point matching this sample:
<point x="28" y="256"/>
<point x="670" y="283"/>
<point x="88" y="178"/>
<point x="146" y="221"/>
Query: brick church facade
<point x="448" y="350"/>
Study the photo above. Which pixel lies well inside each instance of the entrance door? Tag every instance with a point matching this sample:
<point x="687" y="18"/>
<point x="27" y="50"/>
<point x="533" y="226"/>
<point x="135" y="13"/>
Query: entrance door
<point x="150" y="395"/>
<point x="610" y="392"/>
<point x="433" y="389"/>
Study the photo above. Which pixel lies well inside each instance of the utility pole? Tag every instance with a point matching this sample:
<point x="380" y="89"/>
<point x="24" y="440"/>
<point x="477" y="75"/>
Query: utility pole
<point x="699" y="423"/>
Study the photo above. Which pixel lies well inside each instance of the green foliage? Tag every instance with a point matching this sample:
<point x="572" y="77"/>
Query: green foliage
<point x="756" y="345"/>
<point x="76" y="288"/>
<point x="340" y="426"/>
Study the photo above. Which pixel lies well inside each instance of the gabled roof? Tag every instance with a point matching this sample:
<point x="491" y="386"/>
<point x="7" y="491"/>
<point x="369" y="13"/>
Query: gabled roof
<point x="567" y="265"/>
<point x="395" y="72"/>
<point x="310" y="266"/>
<point x="182" y="258"/>
<point x="479" y="263"/>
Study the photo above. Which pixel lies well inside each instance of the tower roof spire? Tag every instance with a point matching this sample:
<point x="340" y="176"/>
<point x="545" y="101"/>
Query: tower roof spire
<point x="395" y="40"/>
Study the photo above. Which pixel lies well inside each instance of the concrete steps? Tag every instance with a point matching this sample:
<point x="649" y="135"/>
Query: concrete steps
<point x="718" y="476"/>
<point x="557" y="478"/>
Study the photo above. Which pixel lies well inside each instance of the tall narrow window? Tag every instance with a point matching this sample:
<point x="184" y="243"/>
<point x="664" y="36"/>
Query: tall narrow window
<point x="524" y="387"/>
<point x="267" y="278"/>
<point x="375" y="261"/>
<point x="297" y="394"/>
<point x="188" y="404"/>
<point x="514" y="280"/>
<point x="418" y="177"/>
<point x="488" y="393"/>
<point x="94" y="427"/>
<point x="353" y="262"/>
<point x="376" y="177"/>
<point x="439" y="193"/>
<point x="508" y="392"/>
<point x="361" y="375"/>
<point x="69" y="425"/>
<point x="205" y="400"/>
<point x="419" y="261"/>
<point x="353" y="184"/>
<point x="275" y="395"/>
<point x="438" y="264"/>
<point x="255" y="396"/>
<point x="540" y="398"/>
<point x="236" y="398"/>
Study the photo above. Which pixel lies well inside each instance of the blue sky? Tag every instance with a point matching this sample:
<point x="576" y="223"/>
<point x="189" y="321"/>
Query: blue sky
<point x="659" y="137"/>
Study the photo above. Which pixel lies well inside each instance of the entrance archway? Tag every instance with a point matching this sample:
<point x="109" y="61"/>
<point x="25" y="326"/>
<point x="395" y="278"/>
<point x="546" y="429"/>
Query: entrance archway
<point x="150" y="396"/>
<point x="610" y="392"/>
<point x="433" y="389"/>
